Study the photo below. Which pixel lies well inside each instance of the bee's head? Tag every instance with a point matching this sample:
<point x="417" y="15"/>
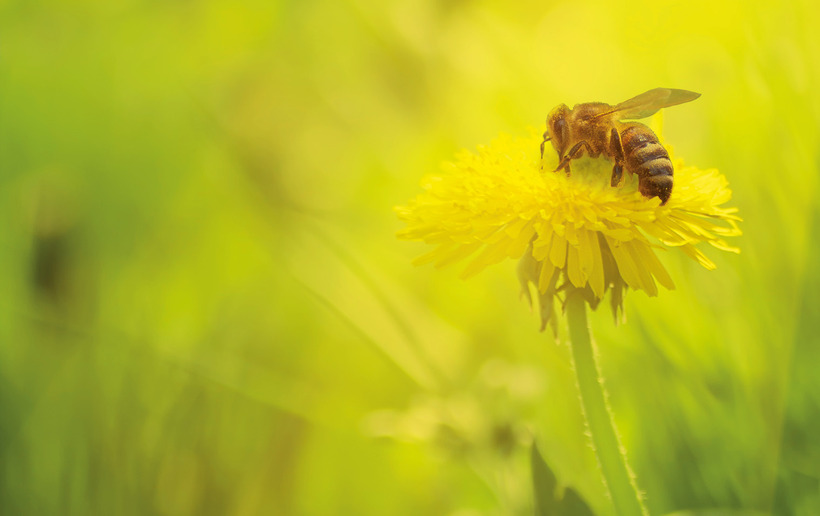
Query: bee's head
<point x="558" y="128"/>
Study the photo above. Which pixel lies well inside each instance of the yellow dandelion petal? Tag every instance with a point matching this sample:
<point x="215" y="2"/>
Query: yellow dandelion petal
<point x="585" y="253"/>
<point x="647" y="281"/>
<point x="489" y="256"/>
<point x="558" y="250"/>
<point x="723" y="246"/>
<point x="447" y="254"/>
<point x="627" y="267"/>
<point x="651" y="262"/>
<point x="571" y="234"/>
<point x="664" y="234"/>
<point x="574" y="272"/>
<point x="699" y="224"/>
<point x="559" y="227"/>
<point x="542" y="240"/>
<point x="696" y="231"/>
<point x="596" y="274"/>
<point x="521" y="240"/>
<point x="503" y="202"/>
<point x="695" y="253"/>
<point x="622" y="234"/>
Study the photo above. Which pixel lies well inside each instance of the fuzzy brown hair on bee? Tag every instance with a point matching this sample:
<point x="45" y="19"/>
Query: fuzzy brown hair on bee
<point x="596" y="128"/>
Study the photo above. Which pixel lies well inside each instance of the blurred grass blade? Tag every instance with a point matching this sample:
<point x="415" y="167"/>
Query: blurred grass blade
<point x="718" y="512"/>
<point x="341" y="284"/>
<point x="377" y="345"/>
<point x="545" y="491"/>
<point x="404" y="327"/>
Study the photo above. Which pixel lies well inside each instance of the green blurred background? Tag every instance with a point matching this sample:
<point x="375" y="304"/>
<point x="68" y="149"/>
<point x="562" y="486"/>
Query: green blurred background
<point x="204" y="309"/>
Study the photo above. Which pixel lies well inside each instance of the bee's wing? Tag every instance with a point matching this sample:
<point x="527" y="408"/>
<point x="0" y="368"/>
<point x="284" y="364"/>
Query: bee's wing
<point x="649" y="103"/>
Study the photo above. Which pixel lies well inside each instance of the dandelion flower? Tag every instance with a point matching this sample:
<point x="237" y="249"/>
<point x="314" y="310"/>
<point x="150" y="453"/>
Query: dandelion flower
<point x="568" y="232"/>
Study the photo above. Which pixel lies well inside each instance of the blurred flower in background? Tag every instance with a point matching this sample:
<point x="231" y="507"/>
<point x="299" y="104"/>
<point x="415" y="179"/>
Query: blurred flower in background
<point x="486" y="425"/>
<point x="203" y="296"/>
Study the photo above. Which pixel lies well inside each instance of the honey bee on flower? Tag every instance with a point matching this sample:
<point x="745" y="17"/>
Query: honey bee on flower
<point x="597" y="128"/>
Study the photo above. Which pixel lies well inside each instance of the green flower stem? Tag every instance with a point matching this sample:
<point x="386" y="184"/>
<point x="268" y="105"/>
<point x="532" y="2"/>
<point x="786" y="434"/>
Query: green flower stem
<point x="611" y="456"/>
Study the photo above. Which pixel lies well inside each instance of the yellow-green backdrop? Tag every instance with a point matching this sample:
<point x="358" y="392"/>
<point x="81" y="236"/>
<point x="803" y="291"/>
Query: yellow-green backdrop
<point x="204" y="309"/>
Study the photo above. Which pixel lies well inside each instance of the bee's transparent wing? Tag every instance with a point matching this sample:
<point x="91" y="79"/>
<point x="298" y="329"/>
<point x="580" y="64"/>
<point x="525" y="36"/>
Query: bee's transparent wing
<point x="649" y="103"/>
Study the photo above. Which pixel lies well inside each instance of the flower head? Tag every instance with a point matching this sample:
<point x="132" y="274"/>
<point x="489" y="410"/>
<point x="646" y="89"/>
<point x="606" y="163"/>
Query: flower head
<point x="576" y="231"/>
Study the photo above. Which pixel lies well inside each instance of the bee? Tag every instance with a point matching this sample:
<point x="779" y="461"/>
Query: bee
<point x="598" y="128"/>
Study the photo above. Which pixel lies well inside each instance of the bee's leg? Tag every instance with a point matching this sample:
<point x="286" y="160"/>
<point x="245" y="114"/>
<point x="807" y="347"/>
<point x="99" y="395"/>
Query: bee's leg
<point x="543" y="143"/>
<point x="546" y="139"/>
<point x="616" y="150"/>
<point x="572" y="154"/>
